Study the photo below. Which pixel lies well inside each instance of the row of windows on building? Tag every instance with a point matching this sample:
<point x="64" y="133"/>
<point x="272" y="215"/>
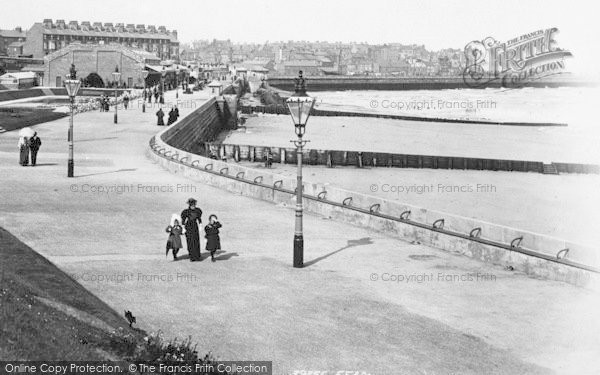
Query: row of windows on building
<point x="51" y="44"/>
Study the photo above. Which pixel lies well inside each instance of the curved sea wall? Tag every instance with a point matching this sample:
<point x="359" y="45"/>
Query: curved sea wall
<point x="176" y="147"/>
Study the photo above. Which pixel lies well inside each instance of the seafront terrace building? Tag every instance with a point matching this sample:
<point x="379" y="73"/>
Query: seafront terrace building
<point x="46" y="37"/>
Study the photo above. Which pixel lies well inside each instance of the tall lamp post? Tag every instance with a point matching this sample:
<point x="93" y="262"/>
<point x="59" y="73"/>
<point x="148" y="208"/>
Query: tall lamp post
<point x="177" y="83"/>
<point x="116" y="78"/>
<point x="144" y="76"/>
<point x="300" y="105"/>
<point x="163" y="74"/>
<point x="72" y="85"/>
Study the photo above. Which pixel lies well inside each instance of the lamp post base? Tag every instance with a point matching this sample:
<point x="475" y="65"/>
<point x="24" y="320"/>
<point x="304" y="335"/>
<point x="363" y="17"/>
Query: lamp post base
<point x="115" y="118"/>
<point x="144" y="106"/>
<point x="70" y="167"/>
<point x="298" y="251"/>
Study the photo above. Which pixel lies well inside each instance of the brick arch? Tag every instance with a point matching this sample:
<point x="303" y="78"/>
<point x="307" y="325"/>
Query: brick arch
<point x="94" y="80"/>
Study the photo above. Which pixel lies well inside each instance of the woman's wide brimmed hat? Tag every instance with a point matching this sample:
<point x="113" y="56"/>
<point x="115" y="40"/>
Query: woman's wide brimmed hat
<point x="191" y="201"/>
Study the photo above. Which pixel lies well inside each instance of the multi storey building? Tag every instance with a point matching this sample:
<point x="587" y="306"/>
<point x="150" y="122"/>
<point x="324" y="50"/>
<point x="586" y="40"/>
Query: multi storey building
<point x="10" y="40"/>
<point x="46" y="37"/>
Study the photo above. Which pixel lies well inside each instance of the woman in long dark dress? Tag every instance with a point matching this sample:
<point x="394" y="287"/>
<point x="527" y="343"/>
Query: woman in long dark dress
<point x="191" y="217"/>
<point x="160" y="117"/>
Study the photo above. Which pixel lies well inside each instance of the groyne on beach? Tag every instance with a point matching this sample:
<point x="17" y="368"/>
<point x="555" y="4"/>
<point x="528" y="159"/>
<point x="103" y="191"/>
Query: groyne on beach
<point x="176" y="149"/>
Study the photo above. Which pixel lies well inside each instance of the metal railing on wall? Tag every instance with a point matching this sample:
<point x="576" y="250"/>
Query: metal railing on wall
<point x="374" y="211"/>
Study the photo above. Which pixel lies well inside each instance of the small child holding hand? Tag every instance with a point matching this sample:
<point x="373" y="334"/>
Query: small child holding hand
<point x="213" y="242"/>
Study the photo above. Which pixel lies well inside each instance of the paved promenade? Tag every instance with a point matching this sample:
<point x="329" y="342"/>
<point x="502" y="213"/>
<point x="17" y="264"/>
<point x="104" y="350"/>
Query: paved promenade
<point x="341" y="312"/>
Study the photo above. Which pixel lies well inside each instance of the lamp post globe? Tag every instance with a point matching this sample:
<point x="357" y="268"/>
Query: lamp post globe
<point x="300" y="106"/>
<point x="116" y="78"/>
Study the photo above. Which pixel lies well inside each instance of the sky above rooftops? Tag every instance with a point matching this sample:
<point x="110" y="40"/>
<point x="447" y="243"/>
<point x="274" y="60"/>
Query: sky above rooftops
<point x="435" y="23"/>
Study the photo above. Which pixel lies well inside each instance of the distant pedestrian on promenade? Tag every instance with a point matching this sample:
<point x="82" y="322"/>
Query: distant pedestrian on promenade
<point x="176" y="113"/>
<point x="268" y="159"/>
<point x="34" y="146"/>
<point x="160" y="121"/>
<point x="213" y="241"/>
<point x="162" y="99"/>
<point x="144" y="95"/>
<point x="126" y="100"/>
<point x="191" y="217"/>
<point x="175" y="231"/>
<point x="24" y="151"/>
<point x="155" y="95"/>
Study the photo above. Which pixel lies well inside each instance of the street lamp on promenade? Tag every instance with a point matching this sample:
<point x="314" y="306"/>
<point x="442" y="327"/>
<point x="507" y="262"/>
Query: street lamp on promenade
<point x="72" y="85"/>
<point x="144" y="76"/>
<point x="163" y="75"/>
<point x="177" y="83"/>
<point x="116" y="78"/>
<point x="300" y="105"/>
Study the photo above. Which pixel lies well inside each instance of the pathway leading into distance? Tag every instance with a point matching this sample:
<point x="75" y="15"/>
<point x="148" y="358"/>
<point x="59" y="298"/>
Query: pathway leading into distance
<point x="106" y="228"/>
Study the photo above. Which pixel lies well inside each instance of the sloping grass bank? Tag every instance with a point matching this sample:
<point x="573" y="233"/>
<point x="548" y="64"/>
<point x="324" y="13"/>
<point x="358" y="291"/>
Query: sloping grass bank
<point x="12" y="118"/>
<point x="46" y="315"/>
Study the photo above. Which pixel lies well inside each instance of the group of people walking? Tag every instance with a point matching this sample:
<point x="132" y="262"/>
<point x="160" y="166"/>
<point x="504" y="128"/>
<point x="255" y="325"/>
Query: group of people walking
<point x="153" y="92"/>
<point x="173" y="116"/>
<point x="105" y="102"/>
<point x="188" y="223"/>
<point x="29" y="146"/>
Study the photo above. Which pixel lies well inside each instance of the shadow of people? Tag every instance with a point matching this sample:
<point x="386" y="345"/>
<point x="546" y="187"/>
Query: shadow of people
<point x="223" y="255"/>
<point x="183" y="257"/>
<point x="45" y="164"/>
<point x="351" y="243"/>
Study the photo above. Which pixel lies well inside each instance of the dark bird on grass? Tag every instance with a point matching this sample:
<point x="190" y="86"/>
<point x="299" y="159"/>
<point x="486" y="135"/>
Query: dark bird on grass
<point x="509" y="268"/>
<point x="130" y="318"/>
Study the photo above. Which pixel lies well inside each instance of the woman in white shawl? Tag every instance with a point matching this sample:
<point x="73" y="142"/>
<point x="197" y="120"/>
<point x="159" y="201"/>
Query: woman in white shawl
<point x="24" y="151"/>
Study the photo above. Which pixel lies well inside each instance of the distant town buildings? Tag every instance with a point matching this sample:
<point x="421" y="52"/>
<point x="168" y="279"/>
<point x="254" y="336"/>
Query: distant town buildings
<point x="328" y="58"/>
<point x="280" y="58"/>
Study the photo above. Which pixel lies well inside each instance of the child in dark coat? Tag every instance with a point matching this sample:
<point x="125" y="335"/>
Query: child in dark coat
<point x="175" y="231"/>
<point x="213" y="242"/>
